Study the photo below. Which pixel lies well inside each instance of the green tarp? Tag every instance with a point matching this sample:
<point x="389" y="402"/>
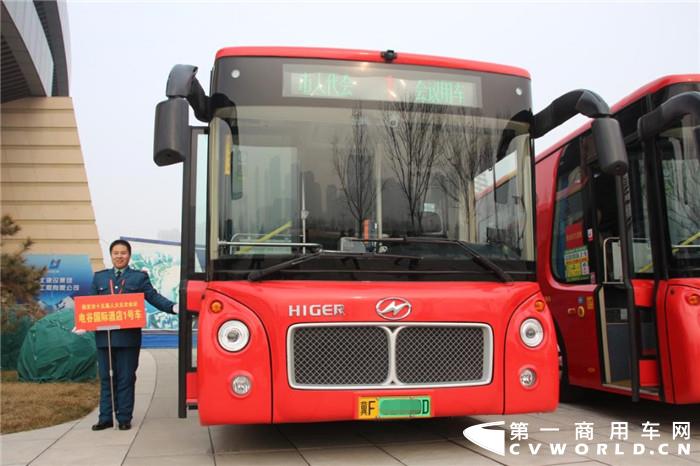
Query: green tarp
<point x="51" y="352"/>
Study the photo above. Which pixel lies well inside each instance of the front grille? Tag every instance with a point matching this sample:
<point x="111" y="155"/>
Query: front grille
<point x="340" y="355"/>
<point x="427" y="355"/>
<point x="385" y="355"/>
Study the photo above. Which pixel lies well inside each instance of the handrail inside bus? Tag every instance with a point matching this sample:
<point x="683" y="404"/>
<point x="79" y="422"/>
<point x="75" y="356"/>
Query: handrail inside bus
<point x="611" y="239"/>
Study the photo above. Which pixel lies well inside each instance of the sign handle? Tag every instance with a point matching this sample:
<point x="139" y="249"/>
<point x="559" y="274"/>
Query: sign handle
<point x="111" y="374"/>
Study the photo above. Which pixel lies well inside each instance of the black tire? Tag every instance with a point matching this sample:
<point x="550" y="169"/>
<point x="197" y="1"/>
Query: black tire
<point x="567" y="393"/>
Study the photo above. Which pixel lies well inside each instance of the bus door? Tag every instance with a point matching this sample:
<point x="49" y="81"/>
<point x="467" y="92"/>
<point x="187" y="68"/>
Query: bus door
<point x="574" y="270"/>
<point x="613" y="313"/>
<point x="192" y="264"/>
<point x="672" y="161"/>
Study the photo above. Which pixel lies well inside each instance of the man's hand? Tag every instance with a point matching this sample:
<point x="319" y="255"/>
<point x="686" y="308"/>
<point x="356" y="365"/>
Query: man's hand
<point x="176" y="309"/>
<point x="78" y="332"/>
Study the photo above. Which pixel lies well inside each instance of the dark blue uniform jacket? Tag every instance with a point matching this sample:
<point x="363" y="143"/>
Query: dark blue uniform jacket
<point x="130" y="281"/>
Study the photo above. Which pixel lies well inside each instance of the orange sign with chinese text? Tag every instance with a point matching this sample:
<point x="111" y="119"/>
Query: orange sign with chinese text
<point x="110" y="312"/>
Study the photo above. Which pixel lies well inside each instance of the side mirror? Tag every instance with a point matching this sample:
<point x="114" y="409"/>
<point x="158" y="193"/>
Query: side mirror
<point x="610" y="146"/>
<point x="171" y="140"/>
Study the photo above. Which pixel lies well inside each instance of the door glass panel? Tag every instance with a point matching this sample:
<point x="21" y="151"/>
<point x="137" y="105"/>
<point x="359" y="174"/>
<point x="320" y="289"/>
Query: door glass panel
<point x="570" y="254"/>
<point x="200" y="217"/>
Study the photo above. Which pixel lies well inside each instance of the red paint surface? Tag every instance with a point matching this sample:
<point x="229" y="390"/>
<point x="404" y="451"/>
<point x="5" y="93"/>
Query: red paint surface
<point x="683" y="339"/>
<point x="264" y="307"/>
<point x="371" y="56"/>
<point x="195" y="294"/>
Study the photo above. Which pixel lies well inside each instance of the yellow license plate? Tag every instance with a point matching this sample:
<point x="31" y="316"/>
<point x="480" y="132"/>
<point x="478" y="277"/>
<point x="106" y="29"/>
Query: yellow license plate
<point x="393" y="407"/>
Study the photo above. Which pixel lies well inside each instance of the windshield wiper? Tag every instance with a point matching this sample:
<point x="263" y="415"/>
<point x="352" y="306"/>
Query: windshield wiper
<point x="483" y="261"/>
<point x="256" y="275"/>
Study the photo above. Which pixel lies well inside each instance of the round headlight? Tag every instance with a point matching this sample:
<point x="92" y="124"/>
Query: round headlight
<point x="233" y="335"/>
<point x="531" y="332"/>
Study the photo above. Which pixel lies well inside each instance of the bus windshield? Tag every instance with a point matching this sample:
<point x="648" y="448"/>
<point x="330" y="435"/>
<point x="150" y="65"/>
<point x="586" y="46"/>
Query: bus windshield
<point x="680" y="166"/>
<point x="343" y="155"/>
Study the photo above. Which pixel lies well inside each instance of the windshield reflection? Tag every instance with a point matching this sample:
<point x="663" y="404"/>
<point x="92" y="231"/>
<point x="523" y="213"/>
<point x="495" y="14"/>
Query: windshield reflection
<point x="680" y="166"/>
<point x="328" y="175"/>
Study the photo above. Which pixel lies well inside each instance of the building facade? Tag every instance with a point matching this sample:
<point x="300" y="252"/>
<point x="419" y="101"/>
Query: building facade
<point x="44" y="186"/>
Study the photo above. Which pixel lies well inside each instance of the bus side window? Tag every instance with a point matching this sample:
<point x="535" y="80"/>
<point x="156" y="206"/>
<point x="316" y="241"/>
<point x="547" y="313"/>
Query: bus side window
<point x="571" y="261"/>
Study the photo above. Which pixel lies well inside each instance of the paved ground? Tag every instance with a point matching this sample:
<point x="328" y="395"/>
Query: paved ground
<point x="158" y="437"/>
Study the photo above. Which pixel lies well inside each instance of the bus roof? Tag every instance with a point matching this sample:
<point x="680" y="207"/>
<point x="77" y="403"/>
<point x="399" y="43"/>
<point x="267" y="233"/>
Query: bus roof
<point x="647" y="89"/>
<point x="370" y="56"/>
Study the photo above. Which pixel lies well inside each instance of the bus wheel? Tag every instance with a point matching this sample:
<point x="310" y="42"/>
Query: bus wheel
<point x="567" y="393"/>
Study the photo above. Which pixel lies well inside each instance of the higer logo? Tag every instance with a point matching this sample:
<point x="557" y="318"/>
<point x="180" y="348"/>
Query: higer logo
<point x="493" y="440"/>
<point x="393" y="308"/>
<point x="316" y="310"/>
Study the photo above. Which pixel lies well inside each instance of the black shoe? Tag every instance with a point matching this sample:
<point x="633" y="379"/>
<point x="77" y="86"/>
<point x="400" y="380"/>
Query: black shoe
<point x="102" y="426"/>
<point x="124" y="425"/>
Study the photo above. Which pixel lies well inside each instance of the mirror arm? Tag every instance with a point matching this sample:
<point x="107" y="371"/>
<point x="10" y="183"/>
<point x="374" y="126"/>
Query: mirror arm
<point x="182" y="82"/>
<point x="666" y="114"/>
<point x="581" y="101"/>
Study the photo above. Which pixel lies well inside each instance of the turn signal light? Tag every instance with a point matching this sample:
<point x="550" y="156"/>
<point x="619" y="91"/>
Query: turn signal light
<point x="539" y="305"/>
<point x="216" y="306"/>
<point x="693" y="299"/>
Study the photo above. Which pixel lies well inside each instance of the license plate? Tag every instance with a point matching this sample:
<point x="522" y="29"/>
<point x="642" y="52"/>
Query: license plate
<point x="393" y="407"/>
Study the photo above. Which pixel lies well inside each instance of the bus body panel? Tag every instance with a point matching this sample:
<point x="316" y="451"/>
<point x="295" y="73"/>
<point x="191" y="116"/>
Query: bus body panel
<point x="683" y="332"/>
<point x="195" y="294"/>
<point x="217" y="368"/>
<point x="643" y="292"/>
<point x="265" y="308"/>
<point x="662" y="332"/>
<point x="371" y="56"/>
<point x="543" y="396"/>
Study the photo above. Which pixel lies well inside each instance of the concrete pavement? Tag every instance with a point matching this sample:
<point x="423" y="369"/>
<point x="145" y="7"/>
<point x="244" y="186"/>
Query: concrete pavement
<point x="158" y="437"/>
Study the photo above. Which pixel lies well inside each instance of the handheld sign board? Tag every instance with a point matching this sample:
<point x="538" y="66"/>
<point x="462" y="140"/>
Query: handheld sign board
<point x="110" y="312"/>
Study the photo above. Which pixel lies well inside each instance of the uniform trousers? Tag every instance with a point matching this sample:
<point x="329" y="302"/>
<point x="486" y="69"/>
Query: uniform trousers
<point x="125" y="361"/>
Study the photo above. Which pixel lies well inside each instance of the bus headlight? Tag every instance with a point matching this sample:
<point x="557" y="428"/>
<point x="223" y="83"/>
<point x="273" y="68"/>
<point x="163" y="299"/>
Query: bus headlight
<point x="531" y="332"/>
<point x="233" y="335"/>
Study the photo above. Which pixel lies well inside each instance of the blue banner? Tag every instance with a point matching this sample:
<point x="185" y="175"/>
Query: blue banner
<point x="66" y="276"/>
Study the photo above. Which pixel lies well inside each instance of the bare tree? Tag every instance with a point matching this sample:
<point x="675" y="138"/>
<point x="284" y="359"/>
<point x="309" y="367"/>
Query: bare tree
<point x="354" y="165"/>
<point x="413" y="140"/>
<point x="681" y="188"/>
<point x="470" y="145"/>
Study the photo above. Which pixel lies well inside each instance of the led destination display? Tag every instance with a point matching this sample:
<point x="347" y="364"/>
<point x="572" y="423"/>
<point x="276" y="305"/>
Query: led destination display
<point x="364" y="83"/>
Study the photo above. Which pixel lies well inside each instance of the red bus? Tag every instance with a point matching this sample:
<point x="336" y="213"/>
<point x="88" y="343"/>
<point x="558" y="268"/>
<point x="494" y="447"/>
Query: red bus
<point x="619" y="256"/>
<point x="344" y="252"/>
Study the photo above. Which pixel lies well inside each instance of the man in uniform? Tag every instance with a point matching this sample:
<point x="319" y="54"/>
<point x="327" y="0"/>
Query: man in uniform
<point x="126" y="344"/>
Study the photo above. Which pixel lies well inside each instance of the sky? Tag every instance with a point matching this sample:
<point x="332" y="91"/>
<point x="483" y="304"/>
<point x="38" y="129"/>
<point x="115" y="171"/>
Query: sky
<point x="122" y="52"/>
